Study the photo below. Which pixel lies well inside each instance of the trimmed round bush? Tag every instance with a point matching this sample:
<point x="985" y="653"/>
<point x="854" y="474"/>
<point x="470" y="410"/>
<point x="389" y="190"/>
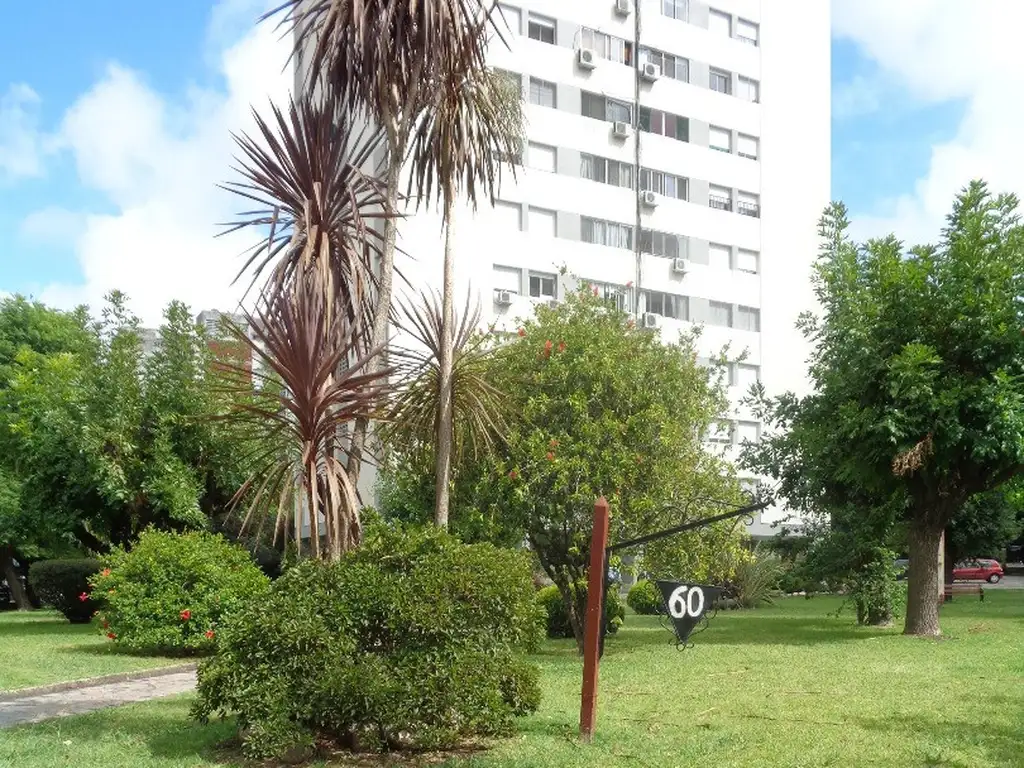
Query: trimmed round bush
<point x="64" y="585"/>
<point x="413" y="640"/>
<point x="171" y="591"/>
<point x="557" y="620"/>
<point x="645" y="598"/>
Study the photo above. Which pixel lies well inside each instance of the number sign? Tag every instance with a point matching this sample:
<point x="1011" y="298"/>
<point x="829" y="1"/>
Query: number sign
<point x="686" y="604"/>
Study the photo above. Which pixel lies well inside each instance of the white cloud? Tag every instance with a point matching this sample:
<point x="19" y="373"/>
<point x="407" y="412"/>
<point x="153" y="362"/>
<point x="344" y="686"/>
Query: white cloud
<point x="941" y="52"/>
<point x="21" y="144"/>
<point x="859" y="96"/>
<point x="52" y="226"/>
<point x="156" y="162"/>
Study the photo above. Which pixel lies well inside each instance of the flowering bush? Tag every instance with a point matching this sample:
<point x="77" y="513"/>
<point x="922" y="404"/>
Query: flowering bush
<point x="170" y="591"/>
<point x="412" y="640"/>
<point x="64" y="585"/>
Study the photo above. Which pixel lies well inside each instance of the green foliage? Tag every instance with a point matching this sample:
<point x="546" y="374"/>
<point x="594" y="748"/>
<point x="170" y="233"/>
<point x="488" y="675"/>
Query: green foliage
<point x="645" y="598"/>
<point x="987" y="523"/>
<point x="411" y="640"/>
<point x="558" y="624"/>
<point x="917" y="375"/>
<point x="171" y="591"/>
<point x="62" y="584"/>
<point x="875" y="591"/>
<point x="756" y="579"/>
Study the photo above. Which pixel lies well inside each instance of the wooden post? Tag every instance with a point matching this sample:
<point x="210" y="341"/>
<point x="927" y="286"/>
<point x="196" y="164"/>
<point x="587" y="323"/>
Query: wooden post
<point x="594" y="620"/>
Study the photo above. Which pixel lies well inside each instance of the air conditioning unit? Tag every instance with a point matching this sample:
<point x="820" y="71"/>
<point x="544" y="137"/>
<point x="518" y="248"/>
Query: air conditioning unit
<point x="622" y="7"/>
<point x="650" y="320"/>
<point x="503" y="298"/>
<point x="620" y="129"/>
<point x="680" y="266"/>
<point x="650" y="72"/>
<point x="586" y="58"/>
<point x="552" y="303"/>
<point x="648" y="199"/>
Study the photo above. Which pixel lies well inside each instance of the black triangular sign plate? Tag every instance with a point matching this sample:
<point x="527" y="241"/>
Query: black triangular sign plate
<point x="686" y="604"/>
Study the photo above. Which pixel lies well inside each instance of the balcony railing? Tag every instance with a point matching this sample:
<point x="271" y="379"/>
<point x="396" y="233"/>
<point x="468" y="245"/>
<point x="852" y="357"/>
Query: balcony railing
<point x="747" y="40"/>
<point x="720" y="203"/>
<point x="748" y="209"/>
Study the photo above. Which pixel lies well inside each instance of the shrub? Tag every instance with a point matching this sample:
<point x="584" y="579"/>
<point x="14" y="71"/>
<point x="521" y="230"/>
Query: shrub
<point x="557" y="619"/>
<point x="412" y="640"/>
<point x="62" y="584"/>
<point x="756" y="581"/>
<point x="170" y="592"/>
<point x="645" y="598"/>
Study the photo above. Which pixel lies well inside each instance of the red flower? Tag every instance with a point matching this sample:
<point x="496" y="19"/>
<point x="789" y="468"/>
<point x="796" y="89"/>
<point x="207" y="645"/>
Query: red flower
<point x="105" y="572"/>
<point x="548" y="345"/>
<point x="111" y="635"/>
<point x="629" y="284"/>
<point x="513" y="475"/>
<point x="595" y="290"/>
<point x="186" y="615"/>
<point x="553" y="443"/>
<point x="84" y="596"/>
<point x="209" y="634"/>
<point x="106" y="624"/>
<point x="550" y="456"/>
<point x="561" y="346"/>
<point x="521" y="331"/>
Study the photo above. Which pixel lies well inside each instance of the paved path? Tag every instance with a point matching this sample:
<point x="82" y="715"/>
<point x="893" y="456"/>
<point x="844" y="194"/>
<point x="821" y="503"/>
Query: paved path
<point x="33" y="708"/>
<point x="1007" y="582"/>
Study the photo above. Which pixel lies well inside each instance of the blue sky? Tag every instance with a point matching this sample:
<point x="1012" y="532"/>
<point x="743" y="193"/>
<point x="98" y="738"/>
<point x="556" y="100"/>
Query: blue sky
<point x="114" y="119"/>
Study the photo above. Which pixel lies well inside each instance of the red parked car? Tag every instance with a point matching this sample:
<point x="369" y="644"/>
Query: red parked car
<point x="980" y="569"/>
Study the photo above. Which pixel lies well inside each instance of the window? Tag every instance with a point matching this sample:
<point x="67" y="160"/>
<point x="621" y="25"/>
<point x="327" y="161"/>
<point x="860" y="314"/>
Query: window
<point x="512" y="18"/>
<point x="720" y="198"/>
<point x="606" y="233"/>
<point x="542" y="157"/>
<point x="748" y="319"/>
<point x="749" y="89"/>
<point x="747" y="431"/>
<point x="606" y="171"/>
<point x="718" y="23"/>
<point x="507" y="279"/>
<point x="542" y="286"/>
<point x="601" y="108"/>
<point x="721" y="81"/>
<point x="664" y="124"/>
<point x="747" y="376"/>
<point x="665" y="184"/>
<point x="542" y="92"/>
<point x="607" y="46"/>
<point x="748" y="205"/>
<point x="720" y="139"/>
<point x="719" y="256"/>
<point x="662" y="244"/>
<point x="720" y="314"/>
<point x="509" y="215"/>
<point x="667" y="305"/>
<point x="541" y="28"/>
<point x="746" y="146"/>
<point x="675" y="67"/>
<point x="746" y="261"/>
<point x="616" y="294"/>
<point x="542" y="222"/>
<point x="747" y="31"/>
<point x="676" y="9"/>
<point x="720" y="432"/>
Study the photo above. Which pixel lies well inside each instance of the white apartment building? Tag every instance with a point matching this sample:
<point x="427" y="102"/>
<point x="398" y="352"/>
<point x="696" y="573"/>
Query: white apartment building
<point x="678" y="157"/>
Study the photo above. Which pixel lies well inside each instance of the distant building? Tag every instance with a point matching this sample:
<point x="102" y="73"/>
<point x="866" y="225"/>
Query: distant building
<point x="150" y="338"/>
<point x="228" y="350"/>
<point x="213" y="321"/>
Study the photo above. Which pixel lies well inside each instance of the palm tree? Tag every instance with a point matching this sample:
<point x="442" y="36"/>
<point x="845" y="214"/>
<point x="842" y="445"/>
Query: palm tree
<point x="383" y="59"/>
<point x="474" y="126"/>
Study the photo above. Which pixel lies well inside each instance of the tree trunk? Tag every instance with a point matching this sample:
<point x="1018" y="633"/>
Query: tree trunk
<point x="948" y="561"/>
<point x="445" y="426"/>
<point x="382" y="312"/>
<point x="923" y="587"/>
<point x="13" y="578"/>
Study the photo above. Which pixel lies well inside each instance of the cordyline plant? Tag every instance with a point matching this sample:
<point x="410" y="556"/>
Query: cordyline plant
<point x="391" y="61"/>
<point x="309" y="355"/>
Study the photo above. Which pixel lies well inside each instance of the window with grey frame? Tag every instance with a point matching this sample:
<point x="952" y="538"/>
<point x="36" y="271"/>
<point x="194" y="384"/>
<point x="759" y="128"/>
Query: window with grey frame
<point x="542" y="93"/>
<point x="666" y="184"/>
<point x="610" y="233"/>
<point x="662" y="244"/>
<point x="606" y="171"/>
<point x="720" y="198"/>
<point x="541" y="28"/>
<point x="543" y="286"/>
<point x="748" y="205"/>
<point x="602" y="108"/>
<point x="748" y="319"/>
<point x="664" y="124"/>
<point x="676" y="9"/>
<point x="607" y="46"/>
<point x="720" y="313"/>
<point x="667" y="305"/>
<point x="675" y="67"/>
<point x="614" y="294"/>
<point x="720" y="80"/>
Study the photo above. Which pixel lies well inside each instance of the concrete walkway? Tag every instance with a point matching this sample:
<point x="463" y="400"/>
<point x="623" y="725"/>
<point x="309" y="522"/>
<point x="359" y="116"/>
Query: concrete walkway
<point x="33" y="707"/>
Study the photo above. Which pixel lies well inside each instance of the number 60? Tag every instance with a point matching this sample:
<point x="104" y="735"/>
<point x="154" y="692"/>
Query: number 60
<point x="686" y="601"/>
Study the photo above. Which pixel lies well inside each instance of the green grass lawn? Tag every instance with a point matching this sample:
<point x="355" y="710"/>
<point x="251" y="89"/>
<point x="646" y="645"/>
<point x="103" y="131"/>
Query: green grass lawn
<point x="780" y="686"/>
<point x="41" y="647"/>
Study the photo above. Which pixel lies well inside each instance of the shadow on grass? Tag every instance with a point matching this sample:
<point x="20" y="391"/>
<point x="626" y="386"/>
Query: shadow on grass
<point x="44" y="625"/>
<point x="113" y="649"/>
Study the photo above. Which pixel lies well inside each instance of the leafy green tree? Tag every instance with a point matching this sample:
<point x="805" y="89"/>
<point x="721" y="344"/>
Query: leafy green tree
<point x="985" y="525"/>
<point x="917" y="363"/>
